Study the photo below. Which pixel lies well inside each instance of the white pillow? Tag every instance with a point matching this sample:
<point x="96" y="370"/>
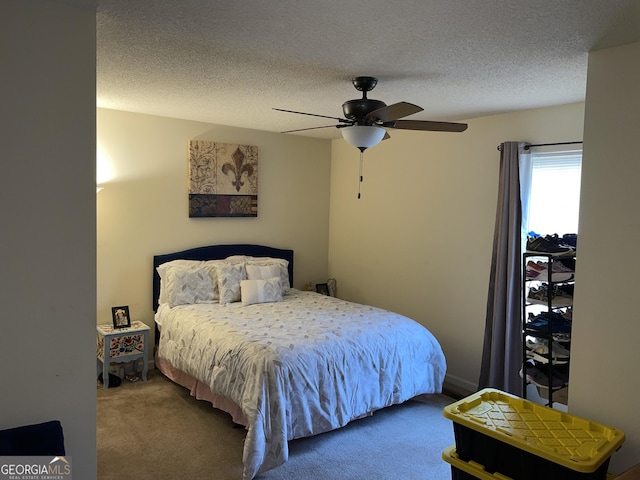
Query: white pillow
<point x="275" y="264"/>
<point x="260" y="272"/>
<point x="162" y="272"/>
<point x="187" y="285"/>
<point x="229" y="278"/>
<point x="237" y="259"/>
<point x="261" y="291"/>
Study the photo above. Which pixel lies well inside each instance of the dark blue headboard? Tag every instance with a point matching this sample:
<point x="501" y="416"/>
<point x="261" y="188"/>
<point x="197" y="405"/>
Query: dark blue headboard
<point x="218" y="252"/>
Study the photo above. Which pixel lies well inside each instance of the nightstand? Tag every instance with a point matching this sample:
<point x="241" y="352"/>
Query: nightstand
<point x="120" y="345"/>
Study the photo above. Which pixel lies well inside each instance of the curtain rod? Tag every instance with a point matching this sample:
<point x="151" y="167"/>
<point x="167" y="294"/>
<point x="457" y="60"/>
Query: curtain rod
<point x="527" y="147"/>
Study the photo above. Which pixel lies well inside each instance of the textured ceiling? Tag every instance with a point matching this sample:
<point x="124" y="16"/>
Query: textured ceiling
<point x="231" y="62"/>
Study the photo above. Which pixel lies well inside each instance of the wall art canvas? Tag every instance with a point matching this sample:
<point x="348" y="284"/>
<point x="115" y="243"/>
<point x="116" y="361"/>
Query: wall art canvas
<point x="223" y="179"/>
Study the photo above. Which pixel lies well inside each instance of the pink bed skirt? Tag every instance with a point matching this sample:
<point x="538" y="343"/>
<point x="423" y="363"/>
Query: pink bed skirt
<point x="201" y="391"/>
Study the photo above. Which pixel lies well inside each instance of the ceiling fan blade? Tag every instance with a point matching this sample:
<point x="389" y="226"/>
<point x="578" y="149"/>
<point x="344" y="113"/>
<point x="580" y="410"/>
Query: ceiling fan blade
<point x="342" y="120"/>
<point x="311" y="128"/>
<point x="427" y="126"/>
<point x="394" y="112"/>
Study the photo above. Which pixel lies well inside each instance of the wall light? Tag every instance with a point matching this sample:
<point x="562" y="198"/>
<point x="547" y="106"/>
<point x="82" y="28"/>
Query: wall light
<point x="362" y="136"/>
<point x="104" y="167"/>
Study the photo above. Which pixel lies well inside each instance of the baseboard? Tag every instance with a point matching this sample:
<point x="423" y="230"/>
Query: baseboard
<point x="457" y="387"/>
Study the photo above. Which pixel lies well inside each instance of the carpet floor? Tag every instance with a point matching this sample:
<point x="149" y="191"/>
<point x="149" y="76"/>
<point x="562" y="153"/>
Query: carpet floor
<point x="155" y="430"/>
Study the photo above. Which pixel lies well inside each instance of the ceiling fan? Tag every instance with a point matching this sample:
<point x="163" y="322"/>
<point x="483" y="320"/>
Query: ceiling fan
<point x="366" y="118"/>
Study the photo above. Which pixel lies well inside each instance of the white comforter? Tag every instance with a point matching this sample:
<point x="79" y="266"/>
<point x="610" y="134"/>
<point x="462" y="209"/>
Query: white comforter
<point x="303" y="366"/>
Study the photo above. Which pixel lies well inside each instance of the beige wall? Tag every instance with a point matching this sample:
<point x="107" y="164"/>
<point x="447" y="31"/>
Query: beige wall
<point x="419" y="240"/>
<point x="605" y="382"/>
<point x="142" y="210"/>
<point x="47" y="200"/>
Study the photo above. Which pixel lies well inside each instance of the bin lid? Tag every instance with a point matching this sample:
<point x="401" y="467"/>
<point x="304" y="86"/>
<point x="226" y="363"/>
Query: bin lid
<point x="570" y="441"/>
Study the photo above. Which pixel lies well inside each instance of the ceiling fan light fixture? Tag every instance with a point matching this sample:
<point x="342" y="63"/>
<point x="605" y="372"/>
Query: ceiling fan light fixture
<point x="362" y="136"/>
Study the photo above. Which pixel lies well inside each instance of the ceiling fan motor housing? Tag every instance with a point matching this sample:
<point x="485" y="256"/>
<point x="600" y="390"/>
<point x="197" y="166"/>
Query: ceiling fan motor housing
<point x="359" y="108"/>
<point x="356" y="110"/>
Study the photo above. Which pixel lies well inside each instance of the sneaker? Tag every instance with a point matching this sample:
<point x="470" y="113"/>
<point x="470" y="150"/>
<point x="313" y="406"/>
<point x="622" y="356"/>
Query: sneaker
<point x="571" y="239"/>
<point x="539" y="271"/>
<point x="537" y="266"/>
<point x="539" y="294"/>
<point x="544" y="245"/>
<point x="539" y="378"/>
<point x="559" y="267"/>
<point x="556" y="266"/>
<point x="538" y="349"/>
<point x="559" y="297"/>
<point x="556" y="240"/>
<point x="536" y="274"/>
<point x="535" y="271"/>
<point x="566" y="289"/>
<point x="562" y="372"/>
<point x="540" y="323"/>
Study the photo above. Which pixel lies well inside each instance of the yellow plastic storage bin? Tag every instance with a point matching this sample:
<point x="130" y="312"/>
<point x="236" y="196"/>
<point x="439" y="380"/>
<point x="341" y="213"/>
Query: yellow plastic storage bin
<point x="523" y="440"/>
<point x="461" y="470"/>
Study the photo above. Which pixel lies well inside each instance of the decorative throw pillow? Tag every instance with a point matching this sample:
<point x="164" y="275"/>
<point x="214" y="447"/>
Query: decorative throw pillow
<point x="273" y="264"/>
<point x="229" y="278"/>
<point x="187" y="285"/>
<point x="261" y="291"/>
<point x="162" y="272"/>
<point x="213" y="264"/>
<point x="260" y="272"/>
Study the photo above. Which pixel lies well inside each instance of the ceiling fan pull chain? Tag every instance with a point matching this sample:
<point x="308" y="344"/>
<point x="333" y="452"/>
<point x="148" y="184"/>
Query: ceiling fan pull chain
<point x="360" y="177"/>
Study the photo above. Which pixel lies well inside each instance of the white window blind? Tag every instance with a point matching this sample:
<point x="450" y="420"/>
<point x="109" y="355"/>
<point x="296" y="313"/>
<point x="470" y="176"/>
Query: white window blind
<point x="555" y="192"/>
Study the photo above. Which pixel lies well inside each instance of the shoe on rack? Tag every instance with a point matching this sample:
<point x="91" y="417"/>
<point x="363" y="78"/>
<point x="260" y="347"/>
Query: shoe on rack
<point x="562" y="372"/>
<point x="539" y="294"/>
<point x="544" y="320"/>
<point x="561" y="272"/>
<point x="562" y="295"/>
<point x="559" y="297"/>
<point x="532" y="274"/>
<point x="555" y="239"/>
<point x="538" y="349"/>
<point x="564" y="290"/>
<point x="539" y="271"/>
<point x="571" y="239"/>
<point x="536" y="271"/>
<point x="559" y="267"/>
<point x="540" y="378"/>
<point x="544" y="245"/>
<point x="562" y="337"/>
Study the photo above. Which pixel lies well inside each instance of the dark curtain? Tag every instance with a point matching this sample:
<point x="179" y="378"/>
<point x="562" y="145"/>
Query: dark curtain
<point x="502" y="350"/>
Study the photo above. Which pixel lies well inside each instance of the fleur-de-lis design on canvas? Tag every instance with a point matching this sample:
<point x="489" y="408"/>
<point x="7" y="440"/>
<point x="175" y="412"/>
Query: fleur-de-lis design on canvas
<point x="223" y="179"/>
<point x="238" y="167"/>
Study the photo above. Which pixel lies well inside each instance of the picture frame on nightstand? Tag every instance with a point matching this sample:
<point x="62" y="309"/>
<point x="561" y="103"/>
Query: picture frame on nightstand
<point x="121" y="317"/>
<point x="322" y="288"/>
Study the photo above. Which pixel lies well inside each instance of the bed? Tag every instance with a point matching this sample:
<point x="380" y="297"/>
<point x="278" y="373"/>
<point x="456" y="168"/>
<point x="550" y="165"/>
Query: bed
<point x="282" y="362"/>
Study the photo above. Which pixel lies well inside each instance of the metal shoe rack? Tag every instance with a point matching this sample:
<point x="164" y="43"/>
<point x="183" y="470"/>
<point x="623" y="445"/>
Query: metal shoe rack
<point x="547" y="304"/>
